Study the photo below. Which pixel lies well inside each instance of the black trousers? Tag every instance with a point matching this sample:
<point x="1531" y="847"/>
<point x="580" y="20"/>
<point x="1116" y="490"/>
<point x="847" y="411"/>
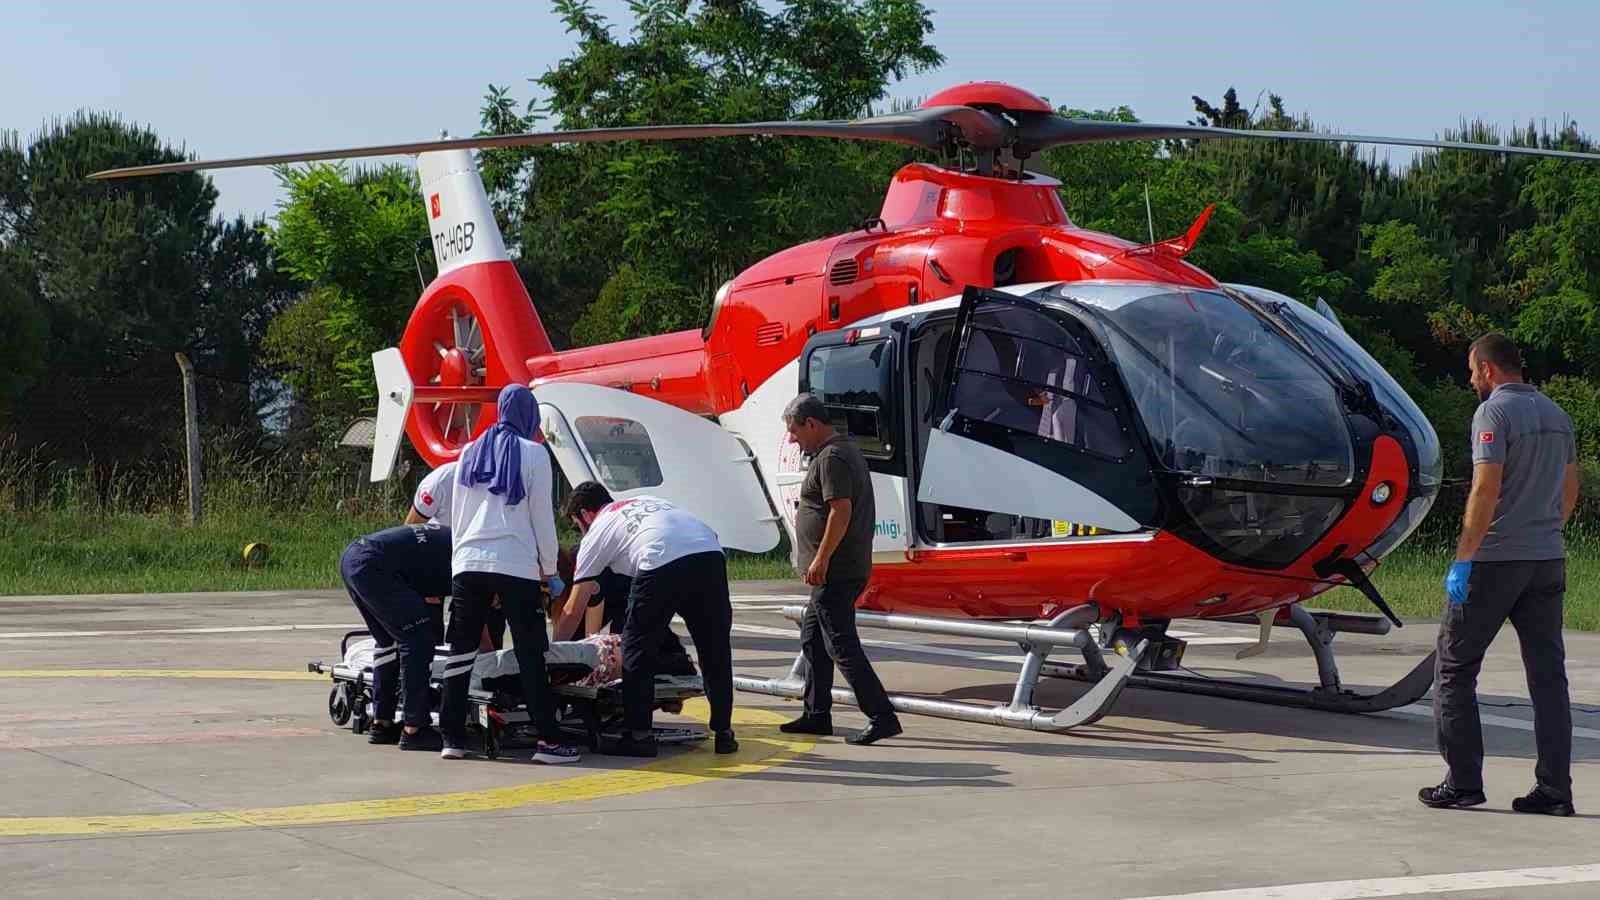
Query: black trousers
<point x="523" y="603"/>
<point x="696" y="588"/>
<point x="1530" y="594"/>
<point x="828" y="637"/>
<point x="404" y="627"/>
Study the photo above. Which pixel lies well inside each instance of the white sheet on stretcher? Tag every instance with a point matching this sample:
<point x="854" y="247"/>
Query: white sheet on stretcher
<point x="358" y="656"/>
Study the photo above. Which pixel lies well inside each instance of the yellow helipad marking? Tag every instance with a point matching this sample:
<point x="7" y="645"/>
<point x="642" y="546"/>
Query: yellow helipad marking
<point x="231" y="674"/>
<point x="761" y="746"/>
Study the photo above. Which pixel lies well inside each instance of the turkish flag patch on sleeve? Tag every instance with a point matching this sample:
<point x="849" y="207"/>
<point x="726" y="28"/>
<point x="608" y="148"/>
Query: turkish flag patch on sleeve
<point x="1485" y="437"/>
<point x="427" y="498"/>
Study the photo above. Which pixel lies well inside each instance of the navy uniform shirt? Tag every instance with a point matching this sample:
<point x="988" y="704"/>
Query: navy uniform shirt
<point x="1532" y="437"/>
<point x="417" y="556"/>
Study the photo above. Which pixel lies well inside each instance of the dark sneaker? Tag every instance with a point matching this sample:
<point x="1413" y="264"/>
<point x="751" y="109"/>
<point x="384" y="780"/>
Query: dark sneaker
<point x="876" y="730"/>
<point x="452" y="750"/>
<point x="555" y="754"/>
<point x="1445" y="797"/>
<point x="425" y="738"/>
<point x="384" y="734"/>
<point x="726" y="742"/>
<point x="809" y="724"/>
<point x="1543" y="801"/>
<point x="628" y="745"/>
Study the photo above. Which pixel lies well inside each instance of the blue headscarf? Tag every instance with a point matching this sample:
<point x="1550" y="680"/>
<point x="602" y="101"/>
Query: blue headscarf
<point x="495" y="458"/>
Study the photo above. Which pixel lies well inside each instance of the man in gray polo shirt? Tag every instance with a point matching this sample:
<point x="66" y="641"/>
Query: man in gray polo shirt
<point x="1510" y="563"/>
<point x="833" y="543"/>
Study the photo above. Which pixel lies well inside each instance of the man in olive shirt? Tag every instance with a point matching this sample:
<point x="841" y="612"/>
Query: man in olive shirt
<point x="833" y="530"/>
<point x="1510" y="563"/>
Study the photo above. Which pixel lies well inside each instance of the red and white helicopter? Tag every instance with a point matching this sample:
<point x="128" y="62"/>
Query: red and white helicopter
<point x="1062" y="425"/>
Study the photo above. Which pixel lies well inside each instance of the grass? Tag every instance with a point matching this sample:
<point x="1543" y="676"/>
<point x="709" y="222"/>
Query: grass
<point x="61" y="552"/>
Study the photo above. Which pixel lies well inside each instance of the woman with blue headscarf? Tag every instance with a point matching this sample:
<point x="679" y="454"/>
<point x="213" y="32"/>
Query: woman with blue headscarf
<point x="503" y="514"/>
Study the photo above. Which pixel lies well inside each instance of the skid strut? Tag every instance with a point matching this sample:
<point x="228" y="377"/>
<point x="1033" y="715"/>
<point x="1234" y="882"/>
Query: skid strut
<point x="1319" y="629"/>
<point x="1037" y="641"/>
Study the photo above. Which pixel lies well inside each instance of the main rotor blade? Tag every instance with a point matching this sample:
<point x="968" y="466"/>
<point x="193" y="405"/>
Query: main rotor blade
<point x="929" y="128"/>
<point x="1049" y="131"/>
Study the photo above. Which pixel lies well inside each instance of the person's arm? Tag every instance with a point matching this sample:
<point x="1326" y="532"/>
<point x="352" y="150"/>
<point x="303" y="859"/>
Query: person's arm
<point x="1481" y="503"/>
<point x="577" y="606"/>
<point x="1569" y="494"/>
<point x="594" y="618"/>
<point x="542" y="508"/>
<point x="838" y="523"/>
<point x="415" y="518"/>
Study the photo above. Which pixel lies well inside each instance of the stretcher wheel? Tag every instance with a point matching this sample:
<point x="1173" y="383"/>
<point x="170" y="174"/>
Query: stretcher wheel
<point x="340" y="704"/>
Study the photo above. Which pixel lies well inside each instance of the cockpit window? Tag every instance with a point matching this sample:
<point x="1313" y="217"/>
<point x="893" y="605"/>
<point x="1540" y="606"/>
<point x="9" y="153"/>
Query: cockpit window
<point x="1224" y="394"/>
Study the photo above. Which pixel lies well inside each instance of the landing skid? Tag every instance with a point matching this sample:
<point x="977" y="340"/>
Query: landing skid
<point x="1319" y="629"/>
<point x="1110" y="673"/>
<point x="1037" y="641"/>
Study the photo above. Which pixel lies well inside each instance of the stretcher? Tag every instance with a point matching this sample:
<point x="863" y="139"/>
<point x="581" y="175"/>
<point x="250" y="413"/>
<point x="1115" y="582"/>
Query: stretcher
<point x="497" y="717"/>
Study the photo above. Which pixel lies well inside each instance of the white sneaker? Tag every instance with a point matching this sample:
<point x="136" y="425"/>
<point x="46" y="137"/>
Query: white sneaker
<point x="453" y="753"/>
<point x="555" y="754"/>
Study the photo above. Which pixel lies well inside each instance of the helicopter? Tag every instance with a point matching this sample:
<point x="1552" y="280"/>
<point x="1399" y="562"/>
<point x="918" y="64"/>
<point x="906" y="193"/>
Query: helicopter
<point x="1074" y="439"/>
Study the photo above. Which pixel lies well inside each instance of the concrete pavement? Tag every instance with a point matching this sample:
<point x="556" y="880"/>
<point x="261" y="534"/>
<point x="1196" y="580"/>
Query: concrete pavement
<point x="1170" y="795"/>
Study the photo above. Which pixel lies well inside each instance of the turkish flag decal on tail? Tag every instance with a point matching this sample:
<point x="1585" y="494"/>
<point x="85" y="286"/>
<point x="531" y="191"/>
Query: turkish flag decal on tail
<point x="433" y="205"/>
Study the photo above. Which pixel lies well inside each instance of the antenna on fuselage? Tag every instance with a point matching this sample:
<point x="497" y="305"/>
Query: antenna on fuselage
<point x="1149" y="216"/>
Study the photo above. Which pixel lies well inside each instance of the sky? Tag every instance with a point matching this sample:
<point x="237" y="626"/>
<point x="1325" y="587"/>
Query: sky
<point x="229" y="79"/>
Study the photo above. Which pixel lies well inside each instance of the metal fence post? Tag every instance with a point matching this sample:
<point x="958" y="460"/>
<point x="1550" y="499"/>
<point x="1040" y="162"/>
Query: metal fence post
<point x="191" y="424"/>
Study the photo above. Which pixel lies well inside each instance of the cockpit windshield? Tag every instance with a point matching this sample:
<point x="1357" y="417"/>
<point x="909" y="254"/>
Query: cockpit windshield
<point x="1222" y="393"/>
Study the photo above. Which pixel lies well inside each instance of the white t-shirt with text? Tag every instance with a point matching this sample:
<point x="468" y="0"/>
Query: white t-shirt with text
<point x="432" y="499"/>
<point x="640" y="534"/>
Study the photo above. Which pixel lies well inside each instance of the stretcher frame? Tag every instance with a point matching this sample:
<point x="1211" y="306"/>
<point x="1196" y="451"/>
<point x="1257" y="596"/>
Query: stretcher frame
<point x="499" y="721"/>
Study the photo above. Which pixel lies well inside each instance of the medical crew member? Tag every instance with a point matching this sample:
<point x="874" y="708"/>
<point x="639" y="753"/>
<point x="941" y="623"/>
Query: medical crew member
<point x="390" y="576"/>
<point x="431" y="503"/>
<point x="1510" y="563"/>
<point x="677" y="567"/>
<point x="505" y="544"/>
<point x="833" y="539"/>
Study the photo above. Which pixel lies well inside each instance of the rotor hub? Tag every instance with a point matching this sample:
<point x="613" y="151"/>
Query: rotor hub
<point x="455" y="369"/>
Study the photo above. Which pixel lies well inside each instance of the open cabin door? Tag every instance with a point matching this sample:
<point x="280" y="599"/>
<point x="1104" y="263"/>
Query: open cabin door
<point x="637" y="446"/>
<point x="859" y="374"/>
<point x="1035" y="423"/>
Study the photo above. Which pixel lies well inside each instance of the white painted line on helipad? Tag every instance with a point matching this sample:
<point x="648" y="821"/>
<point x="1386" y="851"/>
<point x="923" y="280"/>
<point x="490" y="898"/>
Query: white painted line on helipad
<point x="1549" y="876"/>
<point x="132" y="632"/>
<point x="1426" y="712"/>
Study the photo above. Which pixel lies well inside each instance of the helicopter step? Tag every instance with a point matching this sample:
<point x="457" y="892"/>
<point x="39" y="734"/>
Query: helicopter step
<point x="1319" y="629"/>
<point x="1036" y="641"/>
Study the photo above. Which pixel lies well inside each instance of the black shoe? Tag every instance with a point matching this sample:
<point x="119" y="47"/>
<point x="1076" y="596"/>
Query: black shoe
<point x="424" y="738"/>
<point x="1444" y="797"/>
<point x="384" y="734"/>
<point x="1540" y="800"/>
<point x="876" y="730"/>
<point x="809" y="724"/>
<point x="628" y="745"/>
<point x="726" y="742"/>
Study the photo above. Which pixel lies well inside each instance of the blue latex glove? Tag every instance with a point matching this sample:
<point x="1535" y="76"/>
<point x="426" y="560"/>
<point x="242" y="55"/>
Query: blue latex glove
<point x="556" y="585"/>
<point x="1455" y="583"/>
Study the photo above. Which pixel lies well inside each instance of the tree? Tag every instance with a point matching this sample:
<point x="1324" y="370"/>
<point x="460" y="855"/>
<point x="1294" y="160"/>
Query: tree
<point x="355" y="242"/>
<point x="125" y="273"/>
<point x="691" y="214"/>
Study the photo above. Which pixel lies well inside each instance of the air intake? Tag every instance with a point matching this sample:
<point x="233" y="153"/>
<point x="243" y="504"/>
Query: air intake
<point x="844" y="271"/>
<point x="770" y="333"/>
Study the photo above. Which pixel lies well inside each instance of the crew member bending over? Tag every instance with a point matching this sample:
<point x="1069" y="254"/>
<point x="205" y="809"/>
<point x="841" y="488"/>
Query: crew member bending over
<point x="677" y="567"/>
<point x="393" y="576"/>
<point x="505" y="543"/>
